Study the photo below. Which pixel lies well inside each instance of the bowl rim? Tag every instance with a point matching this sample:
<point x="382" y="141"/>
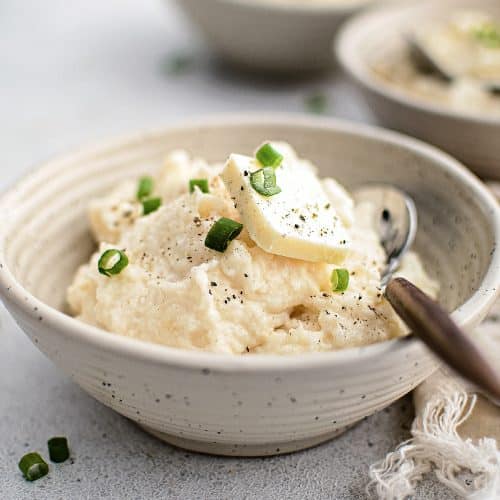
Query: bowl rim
<point x="358" y="70"/>
<point x="340" y="7"/>
<point x="475" y="308"/>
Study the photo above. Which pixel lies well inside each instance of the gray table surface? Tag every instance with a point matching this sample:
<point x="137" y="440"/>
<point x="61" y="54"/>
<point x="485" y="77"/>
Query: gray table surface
<point x="73" y="73"/>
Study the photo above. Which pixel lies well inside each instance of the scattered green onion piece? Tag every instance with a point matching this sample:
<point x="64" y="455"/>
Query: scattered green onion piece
<point x="488" y="35"/>
<point x="112" y="261"/>
<point x="58" y="449"/>
<point x="222" y="233"/>
<point x="200" y="183"/>
<point x="33" y="466"/>
<point x="317" y="103"/>
<point x="150" y="205"/>
<point x="339" y="280"/>
<point x="145" y="187"/>
<point x="180" y="63"/>
<point x="268" y="156"/>
<point x="264" y="181"/>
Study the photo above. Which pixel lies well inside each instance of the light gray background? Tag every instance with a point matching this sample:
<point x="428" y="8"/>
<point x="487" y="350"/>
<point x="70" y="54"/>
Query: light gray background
<point x="73" y="73"/>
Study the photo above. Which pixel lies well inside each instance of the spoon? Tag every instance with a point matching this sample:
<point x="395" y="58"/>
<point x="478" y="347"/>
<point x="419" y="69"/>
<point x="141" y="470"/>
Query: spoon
<point x="396" y="228"/>
<point x="427" y="62"/>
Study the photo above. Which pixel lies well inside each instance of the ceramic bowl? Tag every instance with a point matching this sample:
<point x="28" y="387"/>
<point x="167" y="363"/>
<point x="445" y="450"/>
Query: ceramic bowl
<point x="272" y="35"/>
<point x="242" y="405"/>
<point x="473" y="138"/>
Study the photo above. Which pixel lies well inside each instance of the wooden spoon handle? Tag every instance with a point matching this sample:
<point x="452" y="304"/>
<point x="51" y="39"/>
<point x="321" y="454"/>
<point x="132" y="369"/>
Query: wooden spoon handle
<point x="429" y="321"/>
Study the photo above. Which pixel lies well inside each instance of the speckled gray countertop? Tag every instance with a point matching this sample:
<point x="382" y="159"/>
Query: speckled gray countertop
<point x="73" y="73"/>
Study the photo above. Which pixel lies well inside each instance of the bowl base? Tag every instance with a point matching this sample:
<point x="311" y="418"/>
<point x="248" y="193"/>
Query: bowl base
<point x="243" y="450"/>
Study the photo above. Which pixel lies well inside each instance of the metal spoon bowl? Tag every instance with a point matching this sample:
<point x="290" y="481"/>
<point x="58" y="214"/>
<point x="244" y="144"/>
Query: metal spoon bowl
<point x="428" y="63"/>
<point x="396" y="224"/>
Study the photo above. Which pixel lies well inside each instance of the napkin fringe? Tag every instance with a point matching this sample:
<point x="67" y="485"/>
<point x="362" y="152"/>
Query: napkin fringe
<point x="470" y="469"/>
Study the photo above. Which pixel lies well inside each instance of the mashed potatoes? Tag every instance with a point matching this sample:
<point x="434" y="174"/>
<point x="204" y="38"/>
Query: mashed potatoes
<point x="177" y="292"/>
<point x="467" y="47"/>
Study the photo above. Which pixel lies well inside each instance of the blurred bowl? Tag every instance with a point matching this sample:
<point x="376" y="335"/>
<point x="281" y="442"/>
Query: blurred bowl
<point x="472" y="137"/>
<point x="242" y="405"/>
<point x="272" y="35"/>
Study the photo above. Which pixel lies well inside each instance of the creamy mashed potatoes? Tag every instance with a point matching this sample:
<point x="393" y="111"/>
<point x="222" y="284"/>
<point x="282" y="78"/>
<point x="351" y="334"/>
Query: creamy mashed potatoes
<point x="177" y="292"/>
<point x="467" y="47"/>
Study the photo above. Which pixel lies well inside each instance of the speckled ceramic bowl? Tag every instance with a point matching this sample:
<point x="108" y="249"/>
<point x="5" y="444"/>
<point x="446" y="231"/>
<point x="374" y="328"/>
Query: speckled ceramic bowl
<point x="258" y="404"/>
<point x="471" y="137"/>
<point x="272" y="35"/>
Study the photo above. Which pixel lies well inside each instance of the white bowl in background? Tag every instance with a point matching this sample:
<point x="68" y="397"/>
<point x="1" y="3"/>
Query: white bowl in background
<point x="471" y="137"/>
<point x="272" y="35"/>
<point x="242" y="405"/>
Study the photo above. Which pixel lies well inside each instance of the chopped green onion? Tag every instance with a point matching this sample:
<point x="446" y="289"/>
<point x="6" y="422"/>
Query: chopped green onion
<point x="33" y="466"/>
<point x="222" y="233"/>
<point x="264" y="181"/>
<point x="112" y="261"/>
<point x="317" y="103"/>
<point x="58" y="449"/>
<point x="202" y="184"/>
<point x="150" y="205"/>
<point x="178" y="64"/>
<point x="268" y="156"/>
<point x="145" y="187"/>
<point x="339" y="280"/>
<point x="488" y="35"/>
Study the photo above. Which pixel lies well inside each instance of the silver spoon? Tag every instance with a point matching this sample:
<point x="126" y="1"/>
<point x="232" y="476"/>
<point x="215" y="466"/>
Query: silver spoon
<point x="427" y="62"/>
<point x="396" y="225"/>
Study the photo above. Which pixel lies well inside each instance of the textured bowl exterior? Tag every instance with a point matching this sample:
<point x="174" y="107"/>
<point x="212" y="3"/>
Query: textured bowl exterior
<point x="269" y="35"/>
<point x="259" y="404"/>
<point x="471" y="138"/>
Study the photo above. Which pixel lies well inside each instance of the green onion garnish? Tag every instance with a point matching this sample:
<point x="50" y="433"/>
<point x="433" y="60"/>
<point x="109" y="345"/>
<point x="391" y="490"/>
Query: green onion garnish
<point x="202" y="184"/>
<point x="150" y="205"/>
<point x="488" y="35"/>
<point x="145" y="187"/>
<point x="268" y="156"/>
<point x="316" y="103"/>
<point x="264" y="181"/>
<point x="222" y="233"/>
<point x="58" y="449"/>
<point x="112" y="261"/>
<point x="339" y="280"/>
<point x="178" y="64"/>
<point x="33" y="466"/>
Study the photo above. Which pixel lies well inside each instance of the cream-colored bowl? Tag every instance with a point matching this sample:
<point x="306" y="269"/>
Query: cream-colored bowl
<point x="471" y="137"/>
<point x="272" y="35"/>
<point x="258" y="404"/>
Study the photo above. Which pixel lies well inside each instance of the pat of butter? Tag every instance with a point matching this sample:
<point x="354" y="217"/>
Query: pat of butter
<point x="300" y="222"/>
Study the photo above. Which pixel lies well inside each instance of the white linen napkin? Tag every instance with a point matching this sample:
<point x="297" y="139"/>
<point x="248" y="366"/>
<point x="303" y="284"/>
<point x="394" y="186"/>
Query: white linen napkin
<point x="455" y="433"/>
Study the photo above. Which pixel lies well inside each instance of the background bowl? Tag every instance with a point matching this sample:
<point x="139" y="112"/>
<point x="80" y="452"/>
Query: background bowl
<point x="259" y="404"/>
<point x="473" y="138"/>
<point x="271" y="35"/>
